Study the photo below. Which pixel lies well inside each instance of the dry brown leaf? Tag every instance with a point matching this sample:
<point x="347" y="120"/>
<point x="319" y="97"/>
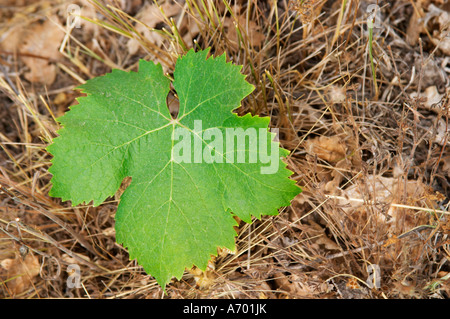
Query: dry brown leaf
<point x="283" y="283"/>
<point x="11" y="38"/>
<point x="151" y="16"/>
<point x="16" y="22"/>
<point x="319" y="237"/>
<point x="42" y="40"/>
<point x="442" y="133"/>
<point x="446" y="165"/>
<point x="17" y="3"/>
<point x="204" y="279"/>
<point x="431" y="97"/>
<point x="378" y="188"/>
<point x="332" y="186"/>
<point x="424" y="12"/>
<point x="20" y="272"/>
<point x="406" y="288"/>
<point x="191" y="32"/>
<point x="295" y="285"/>
<point x="388" y="193"/>
<point x="327" y="242"/>
<point x="253" y="31"/>
<point x="87" y="10"/>
<point x="440" y="36"/>
<point x="330" y="149"/>
<point x="415" y="28"/>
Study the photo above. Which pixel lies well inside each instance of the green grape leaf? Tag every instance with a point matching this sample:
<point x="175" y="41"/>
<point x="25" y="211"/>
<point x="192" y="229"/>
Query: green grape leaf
<point x="190" y="175"/>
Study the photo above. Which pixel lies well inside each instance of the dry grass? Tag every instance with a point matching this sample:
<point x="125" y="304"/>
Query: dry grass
<point x="369" y="151"/>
